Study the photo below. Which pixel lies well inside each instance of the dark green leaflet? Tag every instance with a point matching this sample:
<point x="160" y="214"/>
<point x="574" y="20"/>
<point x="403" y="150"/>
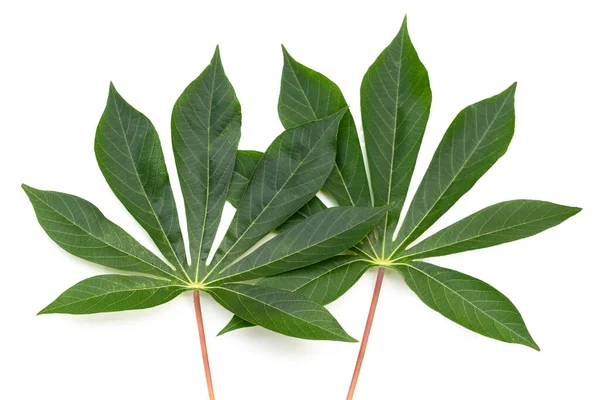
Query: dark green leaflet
<point x="288" y="175"/>
<point x="497" y="224"/>
<point x="395" y="103"/>
<point x="317" y="238"/>
<point x="245" y="163"/>
<point x="80" y="228"/>
<point x="306" y="96"/>
<point x="206" y="129"/>
<point x="106" y="293"/>
<point x="467" y="301"/>
<point x="322" y="283"/>
<point x="281" y="311"/>
<point x="476" y="139"/>
<point x="130" y="157"/>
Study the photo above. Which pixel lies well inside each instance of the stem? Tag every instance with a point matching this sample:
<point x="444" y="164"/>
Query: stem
<point x="365" y="339"/>
<point x="211" y="393"/>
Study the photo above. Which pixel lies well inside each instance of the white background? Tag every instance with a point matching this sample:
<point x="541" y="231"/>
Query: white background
<point x="57" y="58"/>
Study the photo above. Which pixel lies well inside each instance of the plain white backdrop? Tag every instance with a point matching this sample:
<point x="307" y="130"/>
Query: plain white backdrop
<point x="57" y="58"/>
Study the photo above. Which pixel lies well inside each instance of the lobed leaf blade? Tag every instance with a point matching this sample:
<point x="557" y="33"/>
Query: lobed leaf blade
<point x="206" y="129"/>
<point x="280" y="311"/>
<point x="500" y="223"/>
<point x="289" y="174"/>
<point x="467" y="301"/>
<point x="81" y="229"/>
<point x="307" y="95"/>
<point x="110" y="293"/>
<point x="476" y="139"/>
<point x="130" y="157"/>
<point x="395" y="105"/>
<point x="317" y="238"/>
<point x="323" y="283"/>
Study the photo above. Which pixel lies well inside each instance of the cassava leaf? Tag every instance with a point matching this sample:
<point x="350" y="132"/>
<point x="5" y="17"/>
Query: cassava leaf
<point x="306" y="96"/>
<point x="206" y="129"/>
<point x="317" y="238"/>
<point x="80" y="228"/>
<point x="280" y="311"/>
<point x="395" y="104"/>
<point x="476" y="139"/>
<point x="109" y="293"/>
<point x="467" y="301"/>
<point x="501" y="223"/>
<point x="288" y="175"/>
<point x="130" y="157"/>
<point x="322" y="282"/>
<point x="313" y="206"/>
<point x="245" y="164"/>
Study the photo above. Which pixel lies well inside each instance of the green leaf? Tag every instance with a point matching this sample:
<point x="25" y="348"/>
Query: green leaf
<point x="289" y="174"/>
<point x="476" y="139"/>
<point x="501" y="223"/>
<point x="322" y="283"/>
<point x="280" y="311"/>
<point x="306" y="96"/>
<point x="130" y="157"/>
<point x="313" y="206"/>
<point x="317" y="238"/>
<point x="80" y="228"/>
<point x="245" y="164"/>
<point x="395" y="103"/>
<point x="467" y="301"/>
<point x="206" y="129"/>
<point x="108" y="293"/>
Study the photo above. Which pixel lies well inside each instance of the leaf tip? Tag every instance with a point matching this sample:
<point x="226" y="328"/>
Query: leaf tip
<point x="43" y="311"/>
<point x="286" y="54"/>
<point x="534" y="345"/>
<point x="223" y="331"/>
<point x="216" y="58"/>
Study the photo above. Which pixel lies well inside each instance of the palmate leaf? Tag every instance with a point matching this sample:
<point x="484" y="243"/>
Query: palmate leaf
<point x="206" y="129"/>
<point x="131" y="159"/>
<point x="105" y="293"/>
<point x="395" y="104"/>
<point x="266" y="188"/>
<point x="467" y="301"/>
<point x="281" y="311"/>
